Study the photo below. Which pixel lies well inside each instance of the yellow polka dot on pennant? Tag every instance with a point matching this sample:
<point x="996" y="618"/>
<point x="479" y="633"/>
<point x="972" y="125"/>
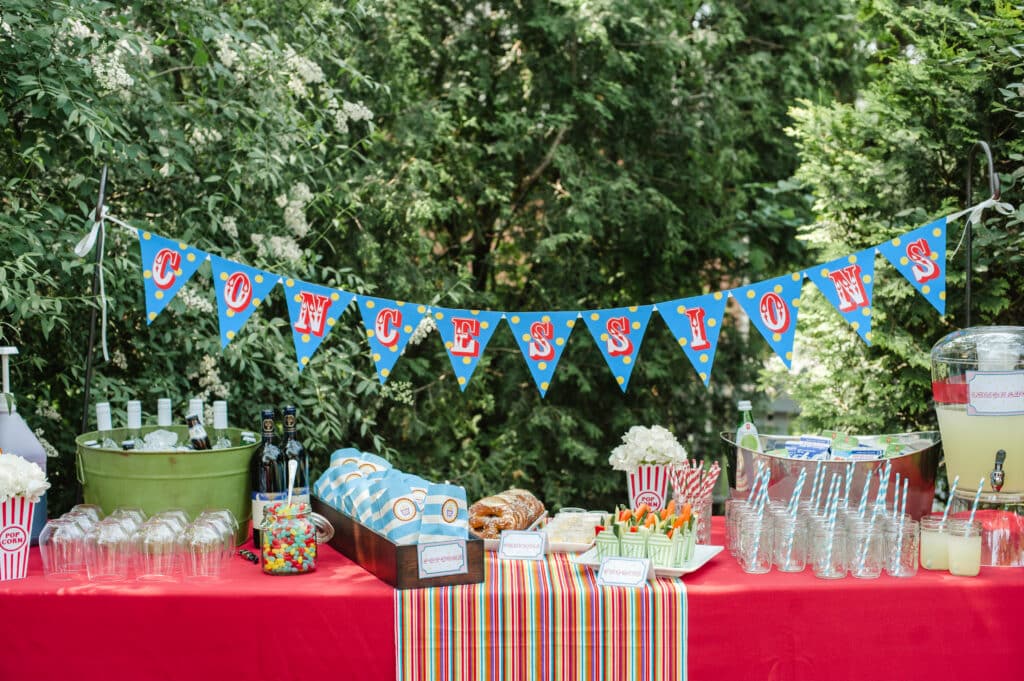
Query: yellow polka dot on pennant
<point x="703" y="358"/>
<point x="474" y="312"/>
<point x="855" y="325"/>
<point x="305" y="338"/>
<point x="824" y="272"/>
<point x="682" y="342"/>
<point x="620" y="380"/>
<point x="335" y="297"/>
<point x="936" y="232"/>
<point x="926" y="289"/>
<point x="223" y="276"/>
<point x="595" y="316"/>
<point x="789" y="355"/>
<point x="182" y="245"/>
<point x="632" y="308"/>
<point x="421" y="309"/>
<point x="544" y="385"/>
<point x="439" y="315"/>
<point x="230" y="335"/>
<point x="462" y="380"/>
<point x="942" y="295"/>
<point x="636" y="325"/>
<point x="852" y="259"/>
<point x="152" y="316"/>
<point x="376" y="357"/>
<point x="776" y="337"/>
<point x="626" y="359"/>
<point x="449" y="345"/>
<point x="385" y="372"/>
<point x="895" y="242"/>
<point x="571" y="323"/>
<point x="305" y="361"/>
<point x="542" y="365"/>
<point x="467" y="360"/>
<point x="795" y="302"/>
<point x="718" y="295"/>
<point x="289" y="283"/>
<point x="712" y="322"/>
<point x="934" y="256"/>
<point x="330" y="321"/>
<point x="178" y="272"/>
<point x="866" y="312"/>
<point x="159" y="295"/>
<point x="229" y="313"/>
<point x="866" y="278"/>
<point x="604" y="337"/>
<point x="147" y="236"/>
<point x="515" y="319"/>
<point x="369" y="333"/>
<point x="751" y="294"/>
<point x="703" y="376"/>
<point x="370" y="304"/>
<point x="559" y="341"/>
<point x="297" y="297"/>
<point x="400" y="303"/>
<point x="904" y="261"/>
<point x="258" y="278"/>
<point x="256" y="302"/>
<point x="148" y="274"/>
<point x="681" y="309"/>
<point x="868" y="335"/>
<point x="796" y="276"/>
<point x="191" y="257"/>
<point x="407" y="328"/>
<point x="526" y="338"/>
<point x="545" y="319"/>
<point x="778" y="288"/>
<point x="393" y="348"/>
<point x="485" y="325"/>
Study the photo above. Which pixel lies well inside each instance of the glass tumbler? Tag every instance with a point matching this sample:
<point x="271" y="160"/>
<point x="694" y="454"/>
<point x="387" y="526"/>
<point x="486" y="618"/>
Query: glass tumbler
<point x="733" y="506"/>
<point x="934" y="543"/>
<point x="827" y="550"/>
<point x="790" y="543"/>
<point x="901" y="548"/>
<point x="864" y="542"/>
<point x="62" y="546"/>
<point x="755" y="547"/>
<point x="108" y="551"/>
<point x="202" y="545"/>
<point x="964" y="548"/>
<point x="156" y="552"/>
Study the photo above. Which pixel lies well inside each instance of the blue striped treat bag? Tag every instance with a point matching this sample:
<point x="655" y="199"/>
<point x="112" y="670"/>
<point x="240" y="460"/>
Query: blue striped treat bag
<point x="365" y="496"/>
<point x="371" y="463"/>
<point x="331" y="484"/>
<point x="444" y="514"/>
<point x="417" y="487"/>
<point x="399" y="516"/>
<point x="340" y="457"/>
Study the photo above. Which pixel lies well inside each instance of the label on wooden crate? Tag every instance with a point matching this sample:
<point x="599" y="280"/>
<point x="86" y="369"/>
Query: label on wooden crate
<point x="631" y="572"/>
<point x="442" y="558"/>
<point x="517" y="545"/>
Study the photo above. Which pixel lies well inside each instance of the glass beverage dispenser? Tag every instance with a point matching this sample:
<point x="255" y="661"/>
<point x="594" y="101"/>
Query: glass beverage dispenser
<point x="978" y="385"/>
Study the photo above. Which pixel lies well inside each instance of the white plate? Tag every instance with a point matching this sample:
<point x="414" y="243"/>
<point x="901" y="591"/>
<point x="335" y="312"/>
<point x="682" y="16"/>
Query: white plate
<point x="701" y="555"/>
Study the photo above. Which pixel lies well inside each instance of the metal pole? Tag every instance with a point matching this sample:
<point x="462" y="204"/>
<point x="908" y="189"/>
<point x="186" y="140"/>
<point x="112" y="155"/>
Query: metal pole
<point x="993" y="185"/>
<point x="91" y="347"/>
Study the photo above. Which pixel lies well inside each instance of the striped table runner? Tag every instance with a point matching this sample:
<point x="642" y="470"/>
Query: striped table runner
<point x="541" y="620"/>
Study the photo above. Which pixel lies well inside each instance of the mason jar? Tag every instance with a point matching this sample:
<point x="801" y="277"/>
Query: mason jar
<point x="288" y="539"/>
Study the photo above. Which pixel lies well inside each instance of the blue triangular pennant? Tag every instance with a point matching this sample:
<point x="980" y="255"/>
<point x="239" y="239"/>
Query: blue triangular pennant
<point x="389" y="324"/>
<point x="542" y="336"/>
<point x="314" y="310"/>
<point x="695" y="323"/>
<point x="920" y="256"/>
<point x="166" y="266"/>
<point x="240" y="290"/>
<point x="465" y="334"/>
<point x="619" y="333"/>
<point x="848" y="283"/>
<point x="772" y="306"/>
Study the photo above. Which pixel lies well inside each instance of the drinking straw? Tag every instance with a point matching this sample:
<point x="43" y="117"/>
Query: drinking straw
<point x="977" y="498"/>
<point x="896" y="495"/>
<point x="814" y="482"/>
<point x="753" y="486"/>
<point x="899" y="527"/>
<point x="794" y="501"/>
<point x="849" y="481"/>
<point x="830" y="536"/>
<point x="952" y="491"/>
<point x="883" y="488"/>
<point x="762" y="498"/>
<point x="863" y="505"/>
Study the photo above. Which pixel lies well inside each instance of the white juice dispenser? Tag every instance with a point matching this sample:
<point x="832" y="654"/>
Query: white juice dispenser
<point x="17" y="438"/>
<point x="978" y="386"/>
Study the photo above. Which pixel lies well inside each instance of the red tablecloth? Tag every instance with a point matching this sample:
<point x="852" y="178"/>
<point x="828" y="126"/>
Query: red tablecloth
<point x="336" y="623"/>
<point x="340" y="625"/>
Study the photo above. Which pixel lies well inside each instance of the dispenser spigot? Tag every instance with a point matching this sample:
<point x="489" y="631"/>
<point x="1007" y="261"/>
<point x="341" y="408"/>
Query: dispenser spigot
<point x="996" y="477"/>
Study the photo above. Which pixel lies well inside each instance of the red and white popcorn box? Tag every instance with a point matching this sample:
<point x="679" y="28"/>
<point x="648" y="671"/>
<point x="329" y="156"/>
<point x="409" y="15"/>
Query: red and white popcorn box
<point x="15" y="528"/>
<point x="648" y="484"/>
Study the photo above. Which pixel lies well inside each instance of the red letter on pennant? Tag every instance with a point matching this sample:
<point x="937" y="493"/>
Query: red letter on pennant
<point x="313" y="313"/>
<point x="540" y="346"/>
<point x="165" y="265"/>
<point x="924" y="268"/>
<point x="465" y="343"/>
<point x="386" y="326"/>
<point x="238" y="291"/>
<point x="849" y="288"/>
<point x="774" y="312"/>
<point x="698" y="331"/>
<point x="618" y="337"/>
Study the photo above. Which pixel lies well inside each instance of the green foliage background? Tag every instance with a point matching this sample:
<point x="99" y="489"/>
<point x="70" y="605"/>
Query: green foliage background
<point x="503" y="155"/>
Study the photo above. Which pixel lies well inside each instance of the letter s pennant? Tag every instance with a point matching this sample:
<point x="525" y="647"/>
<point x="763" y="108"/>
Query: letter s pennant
<point x="465" y="334"/>
<point x="848" y="283"/>
<point x="920" y="256"/>
<point x="772" y="307"/>
<point x="389" y="324"/>
<point x="542" y="336"/>
<point x="240" y="290"/>
<point x="166" y="266"/>
<point x="314" y="310"/>
<point x="619" y="333"/>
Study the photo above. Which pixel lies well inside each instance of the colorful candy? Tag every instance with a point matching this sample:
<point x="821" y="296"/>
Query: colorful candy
<point x="289" y="540"/>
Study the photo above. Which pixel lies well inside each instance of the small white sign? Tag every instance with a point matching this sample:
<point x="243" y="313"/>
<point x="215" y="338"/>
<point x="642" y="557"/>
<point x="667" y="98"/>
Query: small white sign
<point x="995" y="393"/>
<point x="522" y="545"/>
<point x="442" y="558"/>
<point x="631" y="572"/>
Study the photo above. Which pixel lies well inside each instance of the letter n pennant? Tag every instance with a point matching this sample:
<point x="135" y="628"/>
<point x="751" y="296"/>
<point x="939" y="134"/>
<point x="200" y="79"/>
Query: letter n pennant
<point x="695" y="323"/>
<point x="240" y="290"/>
<point x="848" y="283"/>
<point x="619" y="333"/>
<point x="465" y="334"/>
<point x="772" y="307"/>
<point x="166" y="267"/>
<point x="389" y="324"/>
<point x="314" y="310"/>
<point x="920" y="256"/>
<point x="542" y="336"/>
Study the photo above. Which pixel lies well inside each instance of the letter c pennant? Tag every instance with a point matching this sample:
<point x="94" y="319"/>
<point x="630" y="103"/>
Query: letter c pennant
<point x="389" y="324"/>
<point x="166" y="267"/>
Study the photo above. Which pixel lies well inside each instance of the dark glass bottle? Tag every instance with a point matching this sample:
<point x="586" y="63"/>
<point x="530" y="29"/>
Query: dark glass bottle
<point x="268" y="472"/>
<point x="293" y="450"/>
<point x="197" y="433"/>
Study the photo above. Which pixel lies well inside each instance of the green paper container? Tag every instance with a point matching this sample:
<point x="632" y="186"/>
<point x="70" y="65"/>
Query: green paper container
<point x="607" y="545"/>
<point x="659" y="550"/>
<point x="633" y="545"/>
<point x="156" y="481"/>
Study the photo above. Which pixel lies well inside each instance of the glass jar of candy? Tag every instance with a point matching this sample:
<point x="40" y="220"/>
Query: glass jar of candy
<point x="289" y="538"/>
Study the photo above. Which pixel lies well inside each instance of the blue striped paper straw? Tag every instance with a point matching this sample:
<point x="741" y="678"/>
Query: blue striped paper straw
<point x="830" y="540"/>
<point x="896" y="495"/>
<point x="863" y="505"/>
<point x="977" y="498"/>
<point x="899" y="530"/>
<point x="949" y="502"/>
<point x="814" y="482"/>
<point x="794" y="501"/>
<point x="849" y="481"/>
<point x="753" y="486"/>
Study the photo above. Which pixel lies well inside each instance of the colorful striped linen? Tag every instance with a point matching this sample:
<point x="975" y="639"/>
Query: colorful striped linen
<point x="541" y="620"/>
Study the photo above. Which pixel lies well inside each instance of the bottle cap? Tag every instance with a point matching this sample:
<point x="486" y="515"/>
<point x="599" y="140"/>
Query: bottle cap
<point x="744" y="405"/>
<point x="134" y="415"/>
<point x="195" y="406"/>
<point x="220" y="415"/>
<point x="103" y="422"/>
<point x="163" y="411"/>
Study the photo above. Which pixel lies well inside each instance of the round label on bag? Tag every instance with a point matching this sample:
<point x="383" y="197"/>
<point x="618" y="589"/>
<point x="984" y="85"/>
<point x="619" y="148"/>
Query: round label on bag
<point x="450" y="511"/>
<point x="404" y="509"/>
<point x="12" y="538"/>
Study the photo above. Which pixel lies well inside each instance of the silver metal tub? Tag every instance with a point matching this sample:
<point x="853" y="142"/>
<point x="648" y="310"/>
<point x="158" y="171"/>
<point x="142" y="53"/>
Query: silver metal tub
<point x="919" y="465"/>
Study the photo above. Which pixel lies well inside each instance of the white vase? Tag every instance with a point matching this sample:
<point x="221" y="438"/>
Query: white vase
<point x="15" y="528"/>
<point x="648" y="484"/>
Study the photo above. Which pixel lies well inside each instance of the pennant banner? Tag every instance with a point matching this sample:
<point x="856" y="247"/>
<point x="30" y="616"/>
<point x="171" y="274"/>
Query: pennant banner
<point x="542" y="336"/>
<point x="920" y="256"/>
<point x="465" y="334"/>
<point x="772" y="307"/>
<point x="695" y="323"/>
<point x="848" y="284"/>
<point x="240" y="290"/>
<point x="389" y="324"/>
<point x="314" y="310"/>
<point x="619" y="333"/>
<point x="166" y="267"/>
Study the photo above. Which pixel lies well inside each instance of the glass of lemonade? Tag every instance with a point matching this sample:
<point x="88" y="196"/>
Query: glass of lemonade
<point x="934" y="543"/>
<point x="964" y="547"/>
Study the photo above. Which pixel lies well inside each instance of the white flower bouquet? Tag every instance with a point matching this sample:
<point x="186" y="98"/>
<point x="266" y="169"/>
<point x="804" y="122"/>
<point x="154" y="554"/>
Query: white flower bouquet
<point x="642" y="445"/>
<point x="19" y="477"/>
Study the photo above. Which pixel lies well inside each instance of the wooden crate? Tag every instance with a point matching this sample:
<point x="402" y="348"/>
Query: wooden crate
<point x="393" y="563"/>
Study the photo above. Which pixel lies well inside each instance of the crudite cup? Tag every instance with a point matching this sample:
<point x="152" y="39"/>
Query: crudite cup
<point x="934" y="540"/>
<point x="964" y="547"/>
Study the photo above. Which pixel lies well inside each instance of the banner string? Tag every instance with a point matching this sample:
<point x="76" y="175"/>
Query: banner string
<point x="974" y="217"/>
<point x="82" y="249"/>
